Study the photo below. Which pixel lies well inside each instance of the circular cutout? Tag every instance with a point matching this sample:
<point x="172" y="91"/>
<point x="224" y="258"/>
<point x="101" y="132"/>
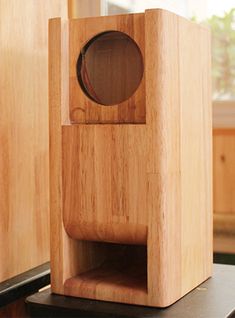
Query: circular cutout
<point x="110" y="68"/>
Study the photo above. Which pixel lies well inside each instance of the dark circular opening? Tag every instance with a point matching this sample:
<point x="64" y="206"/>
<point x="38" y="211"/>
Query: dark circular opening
<point x="110" y="68"/>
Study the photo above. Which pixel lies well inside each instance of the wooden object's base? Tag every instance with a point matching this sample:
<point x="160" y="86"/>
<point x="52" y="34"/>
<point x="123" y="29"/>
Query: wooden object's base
<point x="124" y="270"/>
<point x="201" y="302"/>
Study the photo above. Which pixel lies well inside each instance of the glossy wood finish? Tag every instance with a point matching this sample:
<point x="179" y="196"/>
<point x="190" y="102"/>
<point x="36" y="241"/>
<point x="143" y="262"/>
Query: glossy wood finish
<point x="81" y="108"/>
<point x="122" y="271"/>
<point x="24" y="197"/>
<point x="133" y="191"/>
<point x="113" y="191"/>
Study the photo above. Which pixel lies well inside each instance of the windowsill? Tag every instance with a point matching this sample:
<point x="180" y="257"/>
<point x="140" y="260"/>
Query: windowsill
<point x="24" y="284"/>
<point x="224" y="114"/>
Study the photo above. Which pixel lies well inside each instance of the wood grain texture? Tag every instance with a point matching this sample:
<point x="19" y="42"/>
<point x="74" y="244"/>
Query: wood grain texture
<point x="81" y="108"/>
<point x="196" y="152"/>
<point x="223" y="171"/>
<point x="107" y="185"/>
<point x="135" y="194"/>
<point x="85" y="8"/>
<point x="24" y="199"/>
<point x="17" y="309"/>
<point x="58" y="97"/>
<point x="224" y="190"/>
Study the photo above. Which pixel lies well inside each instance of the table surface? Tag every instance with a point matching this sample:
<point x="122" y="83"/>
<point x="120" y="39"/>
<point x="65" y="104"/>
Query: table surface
<point x="215" y="298"/>
<point x="24" y="284"/>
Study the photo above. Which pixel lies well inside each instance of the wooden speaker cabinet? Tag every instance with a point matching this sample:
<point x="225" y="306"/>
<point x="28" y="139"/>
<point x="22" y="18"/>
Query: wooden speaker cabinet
<point x="130" y="157"/>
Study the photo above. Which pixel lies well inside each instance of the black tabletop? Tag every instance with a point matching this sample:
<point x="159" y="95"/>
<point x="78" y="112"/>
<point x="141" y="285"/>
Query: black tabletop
<point x="24" y="284"/>
<point x="215" y="298"/>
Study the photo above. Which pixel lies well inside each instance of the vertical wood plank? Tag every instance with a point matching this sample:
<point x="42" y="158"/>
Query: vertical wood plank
<point x="163" y="165"/>
<point x="24" y="199"/>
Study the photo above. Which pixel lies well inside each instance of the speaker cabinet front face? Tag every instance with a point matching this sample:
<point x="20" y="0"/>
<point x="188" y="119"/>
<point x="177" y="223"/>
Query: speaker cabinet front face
<point x="107" y="58"/>
<point x="130" y="157"/>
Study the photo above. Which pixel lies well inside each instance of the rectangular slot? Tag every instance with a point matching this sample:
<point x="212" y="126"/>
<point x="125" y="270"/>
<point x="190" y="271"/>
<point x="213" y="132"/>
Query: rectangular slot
<point x="118" y="269"/>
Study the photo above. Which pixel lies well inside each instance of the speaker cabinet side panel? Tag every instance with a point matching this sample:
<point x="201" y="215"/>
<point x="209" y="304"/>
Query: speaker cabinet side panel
<point x="63" y="249"/>
<point x="163" y="124"/>
<point x="196" y="154"/>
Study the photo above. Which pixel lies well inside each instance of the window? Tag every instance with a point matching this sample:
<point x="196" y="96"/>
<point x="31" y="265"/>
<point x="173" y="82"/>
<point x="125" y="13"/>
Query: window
<point x="220" y="15"/>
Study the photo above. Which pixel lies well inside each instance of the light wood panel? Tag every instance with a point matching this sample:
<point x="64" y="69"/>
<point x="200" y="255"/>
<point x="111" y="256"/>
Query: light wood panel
<point x="24" y="199"/>
<point x="108" y="190"/>
<point x="196" y="153"/>
<point x="121" y="193"/>
<point x="81" y="108"/>
<point x="85" y="8"/>
<point x="62" y="247"/>
<point x="224" y="190"/>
